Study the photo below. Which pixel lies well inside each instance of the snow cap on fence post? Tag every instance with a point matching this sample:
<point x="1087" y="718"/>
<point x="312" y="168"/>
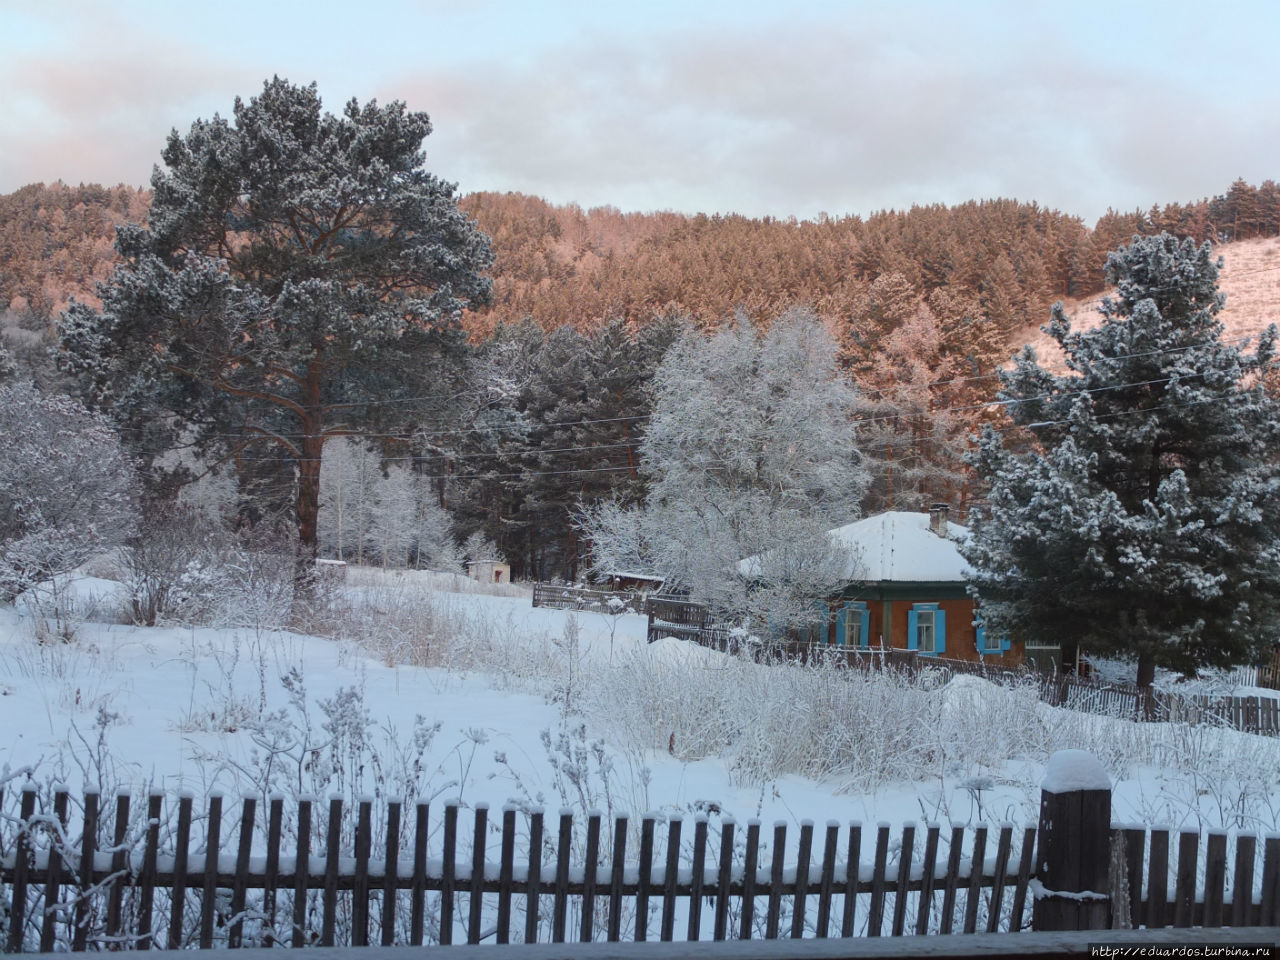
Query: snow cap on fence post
<point x="1073" y="849"/>
<point x="1070" y="770"/>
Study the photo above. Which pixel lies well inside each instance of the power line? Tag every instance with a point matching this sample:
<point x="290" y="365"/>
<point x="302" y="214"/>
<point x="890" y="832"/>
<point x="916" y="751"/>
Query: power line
<point x="465" y="431"/>
<point x="859" y="421"/>
<point x="899" y="442"/>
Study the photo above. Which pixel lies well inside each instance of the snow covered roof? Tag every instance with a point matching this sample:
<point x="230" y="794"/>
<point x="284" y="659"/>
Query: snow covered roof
<point x="631" y="575"/>
<point x="897" y="546"/>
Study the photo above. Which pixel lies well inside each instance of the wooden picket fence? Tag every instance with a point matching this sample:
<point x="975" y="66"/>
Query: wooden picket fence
<point x="153" y="882"/>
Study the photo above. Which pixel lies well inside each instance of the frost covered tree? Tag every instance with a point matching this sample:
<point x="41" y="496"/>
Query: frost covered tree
<point x="1145" y="521"/>
<point x="66" y="487"/>
<point x="434" y="547"/>
<point x="385" y="512"/>
<point x="393" y="516"/>
<point x="301" y="277"/>
<point x="478" y="548"/>
<point x="348" y="471"/>
<point x="750" y="452"/>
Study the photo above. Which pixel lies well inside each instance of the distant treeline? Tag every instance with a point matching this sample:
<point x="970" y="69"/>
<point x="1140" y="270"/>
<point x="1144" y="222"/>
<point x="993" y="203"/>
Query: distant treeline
<point x="560" y="264"/>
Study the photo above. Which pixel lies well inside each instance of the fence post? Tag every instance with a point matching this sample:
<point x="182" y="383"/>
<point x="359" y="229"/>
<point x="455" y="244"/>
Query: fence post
<point x="1073" y="852"/>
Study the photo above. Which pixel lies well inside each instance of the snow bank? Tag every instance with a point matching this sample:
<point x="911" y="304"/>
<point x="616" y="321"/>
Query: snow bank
<point x="968" y="694"/>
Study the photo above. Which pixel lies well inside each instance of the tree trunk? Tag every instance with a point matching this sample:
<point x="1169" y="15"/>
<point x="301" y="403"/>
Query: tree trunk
<point x="308" y="505"/>
<point x="1146" y="681"/>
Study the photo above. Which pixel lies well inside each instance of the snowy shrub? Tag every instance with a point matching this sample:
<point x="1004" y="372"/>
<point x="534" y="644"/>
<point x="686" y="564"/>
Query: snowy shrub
<point x="255" y="582"/>
<point x="767" y="721"/>
<point x="172" y="566"/>
<point x="395" y="619"/>
<point x="66" y="487"/>
<point x="183" y="567"/>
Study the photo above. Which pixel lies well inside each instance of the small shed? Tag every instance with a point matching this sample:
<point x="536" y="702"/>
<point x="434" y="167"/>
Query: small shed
<point x="489" y="571"/>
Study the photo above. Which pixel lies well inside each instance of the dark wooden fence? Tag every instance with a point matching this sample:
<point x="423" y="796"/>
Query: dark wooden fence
<point x="682" y="619"/>
<point x="572" y="597"/>
<point x="175" y="878"/>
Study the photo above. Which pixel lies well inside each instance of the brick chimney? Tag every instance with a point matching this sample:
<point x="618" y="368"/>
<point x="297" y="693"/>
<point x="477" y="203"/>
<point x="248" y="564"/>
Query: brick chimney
<point x="938" y="519"/>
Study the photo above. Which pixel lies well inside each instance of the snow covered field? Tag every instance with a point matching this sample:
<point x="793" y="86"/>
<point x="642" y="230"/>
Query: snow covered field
<point x="424" y="689"/>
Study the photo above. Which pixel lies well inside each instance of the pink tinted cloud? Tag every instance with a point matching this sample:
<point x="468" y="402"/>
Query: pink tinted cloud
<point x="843" y="116"/>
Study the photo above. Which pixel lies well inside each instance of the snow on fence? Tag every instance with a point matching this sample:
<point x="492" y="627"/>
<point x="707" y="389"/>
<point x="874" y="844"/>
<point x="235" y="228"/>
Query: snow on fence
<point x="570" y="597"/>
<point x="150" y="882"/>
<point x="682" y="619"/>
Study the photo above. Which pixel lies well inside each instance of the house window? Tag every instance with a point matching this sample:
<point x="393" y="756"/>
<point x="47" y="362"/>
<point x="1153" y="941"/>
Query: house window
<point x="926" y="629"/>
<point x="988" y="645"/>
<point x="925" y="636"/>
<point x="853" y="624"/>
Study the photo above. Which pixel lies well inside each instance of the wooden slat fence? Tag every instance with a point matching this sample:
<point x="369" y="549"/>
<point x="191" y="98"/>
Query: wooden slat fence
<point x="147" y="881"/>
<point x="569" y="597"/>
<point x="684" y="620"/>
<point x="1261" y="675"/>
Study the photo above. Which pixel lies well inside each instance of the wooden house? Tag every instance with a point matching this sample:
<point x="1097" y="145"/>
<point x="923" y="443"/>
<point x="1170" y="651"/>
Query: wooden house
<point x="907" y="591"/>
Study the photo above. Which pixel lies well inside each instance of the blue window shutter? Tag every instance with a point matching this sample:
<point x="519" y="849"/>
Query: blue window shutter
<point x="982" y="639"/>
<point x="913" y="642"/>
<point x="864" y="627"/>
<point x="940" y="631"/>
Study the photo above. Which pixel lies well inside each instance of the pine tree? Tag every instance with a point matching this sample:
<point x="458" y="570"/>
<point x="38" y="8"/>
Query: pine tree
<point x="913" y="440"/>
<point x="1146" y="522"/>
<point x="299" y="273"/>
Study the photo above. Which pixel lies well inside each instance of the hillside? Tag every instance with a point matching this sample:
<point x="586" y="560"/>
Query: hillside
<point x="1250" y="278"/>
<point x="558" y="264"/>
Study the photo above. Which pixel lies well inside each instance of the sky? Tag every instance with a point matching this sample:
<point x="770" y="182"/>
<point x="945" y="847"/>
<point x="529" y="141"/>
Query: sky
<point x="750" y="107"/>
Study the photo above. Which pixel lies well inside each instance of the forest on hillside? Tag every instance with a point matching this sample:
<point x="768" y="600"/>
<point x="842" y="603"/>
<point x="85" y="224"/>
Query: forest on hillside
<point x="549" y="411"/>
<point x="560" y="264"/>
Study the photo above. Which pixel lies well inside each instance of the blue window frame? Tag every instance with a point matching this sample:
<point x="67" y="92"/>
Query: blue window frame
<point x="927" y="629"/>
<point x="855" y="618"/>
<point x="989" y="646"/>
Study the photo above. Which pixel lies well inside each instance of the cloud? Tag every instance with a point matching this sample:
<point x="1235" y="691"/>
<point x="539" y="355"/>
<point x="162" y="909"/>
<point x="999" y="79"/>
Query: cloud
<point x="96" y="102"/>
<point x="865" y="107"/>
<point x="837" y="116"/>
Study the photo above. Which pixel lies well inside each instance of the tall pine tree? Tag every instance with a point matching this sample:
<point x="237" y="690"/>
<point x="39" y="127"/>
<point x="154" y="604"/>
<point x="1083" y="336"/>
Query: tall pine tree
<point x="301" y="277"/>
<point x="1146" y="521"/>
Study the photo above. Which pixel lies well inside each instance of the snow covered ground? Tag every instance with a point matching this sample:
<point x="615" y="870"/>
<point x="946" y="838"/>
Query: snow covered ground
<point x="548" y="708"/>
